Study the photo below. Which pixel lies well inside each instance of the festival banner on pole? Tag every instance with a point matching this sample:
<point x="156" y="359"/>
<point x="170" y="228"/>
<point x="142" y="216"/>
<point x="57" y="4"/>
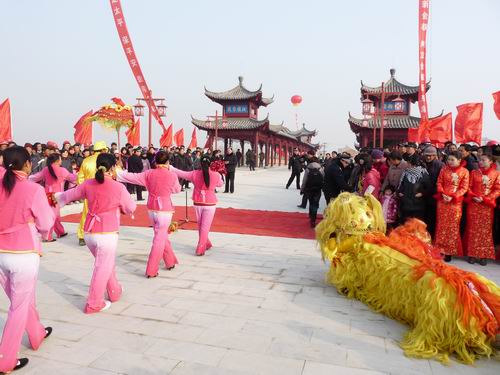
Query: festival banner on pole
<point x="83" y="129"/>
<point x="423" y="24"/>
<point x="496" y="105"/>
<point x="5" y="122"/>
<point x="440" y="129"/>
<point x="179" y="138"/>
<point x="469" y="123"/>
<point x="134" y="133"/>
<point x="194" y="141"/>
<point x="128" y="48"/>
<point x="166" y="138"/>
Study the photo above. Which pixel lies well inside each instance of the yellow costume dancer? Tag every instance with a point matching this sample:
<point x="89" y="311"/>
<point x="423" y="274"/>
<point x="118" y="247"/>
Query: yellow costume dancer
<point x="450" y="311"/>
<point x="86" y="172"/>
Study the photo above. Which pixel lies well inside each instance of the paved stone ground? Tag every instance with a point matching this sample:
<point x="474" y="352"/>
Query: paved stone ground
<point x="253" y="305"/>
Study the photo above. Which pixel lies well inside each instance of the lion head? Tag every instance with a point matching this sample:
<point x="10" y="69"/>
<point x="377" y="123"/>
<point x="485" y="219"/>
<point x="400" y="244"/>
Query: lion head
<point x="349" y="215"/>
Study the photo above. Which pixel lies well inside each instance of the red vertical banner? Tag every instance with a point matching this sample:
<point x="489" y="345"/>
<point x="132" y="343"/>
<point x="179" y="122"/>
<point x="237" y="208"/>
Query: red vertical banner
<point x="423" y="25"/>
<point x="5" y="122"/>
<point x="128" y="48"/>
<point x="496" y="104"/>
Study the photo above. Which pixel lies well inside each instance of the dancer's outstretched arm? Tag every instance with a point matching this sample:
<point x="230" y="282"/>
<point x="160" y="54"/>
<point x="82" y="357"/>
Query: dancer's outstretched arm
<point x="131" y="178"/>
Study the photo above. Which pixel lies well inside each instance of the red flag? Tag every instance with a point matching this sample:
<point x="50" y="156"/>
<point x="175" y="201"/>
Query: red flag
<point x="5" y="122"/>
<point x="413" y="135"/>
<point x="208" y="143"/>
<point x="194" y="141"/>
<point x="134" y="133"/>
<point x="166" y="137"/>
<point x="83" y="130"/>
<point x="440" y="129"/>
<point x="179" y="137"/>
<point x="496" y="105"/>
<point x="469" y="123"/>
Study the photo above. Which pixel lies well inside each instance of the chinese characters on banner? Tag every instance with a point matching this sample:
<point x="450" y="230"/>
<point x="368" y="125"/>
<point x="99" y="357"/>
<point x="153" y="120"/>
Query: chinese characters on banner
<point x="121" y="27"/>
<point x="423" y="24"/>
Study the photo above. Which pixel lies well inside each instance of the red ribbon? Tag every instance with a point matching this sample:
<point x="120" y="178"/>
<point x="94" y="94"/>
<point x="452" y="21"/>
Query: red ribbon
<point x="128" y="48"/>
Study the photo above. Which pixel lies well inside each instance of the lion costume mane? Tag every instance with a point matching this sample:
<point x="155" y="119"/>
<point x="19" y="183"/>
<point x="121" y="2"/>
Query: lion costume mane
<point x="450" y="311"/>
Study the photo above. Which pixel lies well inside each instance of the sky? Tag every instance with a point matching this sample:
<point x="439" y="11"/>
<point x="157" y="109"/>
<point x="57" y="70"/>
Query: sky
<point x="61" y="58"/>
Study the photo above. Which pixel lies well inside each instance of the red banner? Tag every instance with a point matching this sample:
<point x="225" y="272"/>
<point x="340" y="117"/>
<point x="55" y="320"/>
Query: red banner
<point x="496" y="105"/>
<point x="423" y="24"/>
<point x="194" y="141"/>
<point x="128" y="48"/>
<point x="179" y="138"/>
<point x="440" y="129"/>
<point x="166" y="138"/>
<point x="5" y="122"/>
<point x="469" y="123"/>
<point x="134" y="133"/>
<point x="83" y="130"/>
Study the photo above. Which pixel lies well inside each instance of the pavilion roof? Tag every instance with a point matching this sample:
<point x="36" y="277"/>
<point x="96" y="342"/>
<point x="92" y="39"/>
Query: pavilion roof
<point x="239" y="92"/>
<point x="392" y="86"/>
<point x="393" y="122"/>
<point x="302" y="131"/>
<point x="282" y="130"/>
<point x="232" y="123"/>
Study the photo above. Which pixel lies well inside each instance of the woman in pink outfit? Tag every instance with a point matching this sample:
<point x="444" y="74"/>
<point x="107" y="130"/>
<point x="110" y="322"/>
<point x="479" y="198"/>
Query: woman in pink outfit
<point x="24" y="213"/>
<point x="106" y="199"/>
<point x="205" y="182"/>
<point x="53" y="177"/>
<point x="160" y="183"/>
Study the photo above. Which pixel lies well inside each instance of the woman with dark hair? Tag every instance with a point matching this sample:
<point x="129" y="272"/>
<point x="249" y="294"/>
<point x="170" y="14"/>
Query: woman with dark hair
<point x="24" y="212"/>
<point x="484" y="189"/>
<point x="369" y="177"/>
<point x="452" y="184"/>
<point x="106" y="200"/>
<point x="160" y="182"/>
<point x="53" y="177"/>
<point x="205" y="181"/>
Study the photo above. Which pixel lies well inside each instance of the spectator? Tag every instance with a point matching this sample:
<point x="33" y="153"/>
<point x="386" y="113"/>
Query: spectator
<point x="470" y="161"/>
<point x="312" y="184"/>
<point x="231" y="162"/>
<point x="412" y="190"/>
<point x="395" y="171"/>
<point x="335" y="181"/>
<point x="379" y="163"/>
<point x="294" y="164"/>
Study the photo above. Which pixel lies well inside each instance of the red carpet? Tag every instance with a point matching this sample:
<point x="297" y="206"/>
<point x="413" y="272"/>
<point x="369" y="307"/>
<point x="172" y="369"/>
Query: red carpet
<point x="231" y="220"/>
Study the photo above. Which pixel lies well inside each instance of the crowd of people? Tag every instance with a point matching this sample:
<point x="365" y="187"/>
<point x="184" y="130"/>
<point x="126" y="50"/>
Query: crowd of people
<point x="455" y="190"/>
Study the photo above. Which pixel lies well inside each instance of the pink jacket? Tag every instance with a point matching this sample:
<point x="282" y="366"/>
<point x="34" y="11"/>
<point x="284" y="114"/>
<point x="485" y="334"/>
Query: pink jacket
<point x="53" y="185"/>
<point x="202" y="196"/>
<point x="160" y="182"/>
<point x="23" y="213"/>
<point x="105" y="202"/>
<point x="372" y="178"/>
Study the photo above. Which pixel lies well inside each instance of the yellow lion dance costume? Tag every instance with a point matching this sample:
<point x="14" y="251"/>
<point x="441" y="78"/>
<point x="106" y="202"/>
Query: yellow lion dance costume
<point x="450" y="311"/>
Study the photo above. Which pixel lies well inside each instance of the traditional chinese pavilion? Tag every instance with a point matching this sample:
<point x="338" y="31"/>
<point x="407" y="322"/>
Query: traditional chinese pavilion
<point x="398" y="98"/>
<point x="240" y="121"/>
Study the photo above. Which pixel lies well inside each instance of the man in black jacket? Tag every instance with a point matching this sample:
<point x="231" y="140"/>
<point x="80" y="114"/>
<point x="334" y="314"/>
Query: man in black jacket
<point x="231" y="161"/>
<point x="335" y="181"/>
<point x="183" y="162"/>
<point x="134" y="165"/>
<point x="295" y="164"/>
<point x="470" y="161"/>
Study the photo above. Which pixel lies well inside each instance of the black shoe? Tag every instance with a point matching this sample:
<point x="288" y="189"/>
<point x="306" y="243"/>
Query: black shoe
<point x="300" y="206"/>
<point x="81" y="242"/>
<point x="286" y="187"/>
<point x="48" y="331"/>
<point x="447" y="258"/>
<point x="21" y="362"/>
<point x="170" y="268"/>
<point x="63" y="235"/>
<point x="483" y="262"/>
<point x="151" y="277"/>
<point x="225" y="192"/>
<point x="471" y="260"/>
<point x="52" y="240"/>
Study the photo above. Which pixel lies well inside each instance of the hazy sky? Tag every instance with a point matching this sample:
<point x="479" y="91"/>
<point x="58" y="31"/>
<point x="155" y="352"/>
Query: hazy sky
<point x="61" y="58"/>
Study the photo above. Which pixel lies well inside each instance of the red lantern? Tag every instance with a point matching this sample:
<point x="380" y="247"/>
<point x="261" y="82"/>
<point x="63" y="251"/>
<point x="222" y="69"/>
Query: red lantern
<point x="296" y="100"/>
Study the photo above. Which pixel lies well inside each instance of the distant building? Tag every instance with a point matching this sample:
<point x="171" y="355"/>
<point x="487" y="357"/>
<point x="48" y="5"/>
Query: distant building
<point x="240" y="121"/>
<point x="397" y="120"/>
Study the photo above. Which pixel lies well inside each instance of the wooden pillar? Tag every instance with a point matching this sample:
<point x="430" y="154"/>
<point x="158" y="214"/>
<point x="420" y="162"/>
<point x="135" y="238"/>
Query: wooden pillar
<point x="273" y="152"/>
<point x="266" y="162"/>
<point x="287" y="150"/>
<point x="210" y="141"/>
<point x="242" y="146"/>
<point x="225" y="145"/>
<point x="280" y="154"/>
<point x="256" y="146"/>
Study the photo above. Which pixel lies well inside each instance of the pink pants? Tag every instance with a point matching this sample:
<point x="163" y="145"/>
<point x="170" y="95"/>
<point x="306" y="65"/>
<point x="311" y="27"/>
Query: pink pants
<point x="18" y="275"/>
<point x="58" y="227"/>
<point x="205" y="216"/>
<point x="161" y="247"/>
<point x="103" y="248"/>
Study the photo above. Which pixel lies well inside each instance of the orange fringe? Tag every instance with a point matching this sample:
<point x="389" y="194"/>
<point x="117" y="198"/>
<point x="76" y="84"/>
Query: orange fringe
<point x="413" y="240"/>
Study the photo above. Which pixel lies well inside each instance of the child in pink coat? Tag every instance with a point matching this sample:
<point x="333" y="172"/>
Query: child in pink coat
<point x="24" y="213"/>
<point x="160" y="183"/>
<point x="53" y="177"/>
<point x="106" y="199"/>
<point x="205" y="182"/>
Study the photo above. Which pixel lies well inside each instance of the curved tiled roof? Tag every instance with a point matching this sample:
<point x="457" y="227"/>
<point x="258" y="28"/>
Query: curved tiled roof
<point x="392" y="85"/>
<point x="302" y="131"/>
<point x="393" y="122"/>
<point x="233" y="123"/>
<point x="239" y="92"/>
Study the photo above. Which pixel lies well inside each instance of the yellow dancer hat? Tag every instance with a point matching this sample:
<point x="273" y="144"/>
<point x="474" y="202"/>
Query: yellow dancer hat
<point x="100" y="146"/>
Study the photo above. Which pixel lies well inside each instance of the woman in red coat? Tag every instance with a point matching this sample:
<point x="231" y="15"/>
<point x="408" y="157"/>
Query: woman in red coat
<point x="484" y="189"/>
<point x="452" y="184"/>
